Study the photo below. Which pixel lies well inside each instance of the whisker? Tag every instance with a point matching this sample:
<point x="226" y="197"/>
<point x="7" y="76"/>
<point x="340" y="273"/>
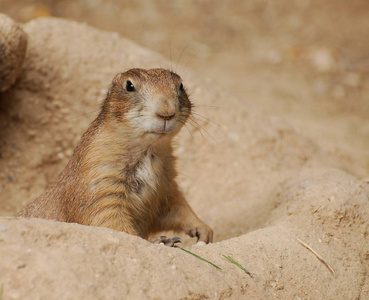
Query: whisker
<point x="198" y="127"/>
<point x="205" y="119"/>
<point x="192" y="119"/>
<point x="180" y="56"/>
<point x="190" y="61"/>
<point x="189" y="131"/>
<point x="208" y="106"/>
<point x="184" y="123"/>
<point x="170" y="54"/>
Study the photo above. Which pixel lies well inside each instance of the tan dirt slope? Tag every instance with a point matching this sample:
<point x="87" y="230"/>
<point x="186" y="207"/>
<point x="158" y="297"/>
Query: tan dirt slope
<point x="257" y="181"/>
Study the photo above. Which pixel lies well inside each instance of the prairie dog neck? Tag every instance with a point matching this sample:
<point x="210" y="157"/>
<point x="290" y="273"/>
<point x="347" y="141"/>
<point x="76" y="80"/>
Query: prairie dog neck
<point x="112" y="150"/>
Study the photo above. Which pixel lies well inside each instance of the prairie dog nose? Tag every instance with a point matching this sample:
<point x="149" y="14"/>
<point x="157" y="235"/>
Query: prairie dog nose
<point x="165" y="109"/>
<point x="165" y="115"/>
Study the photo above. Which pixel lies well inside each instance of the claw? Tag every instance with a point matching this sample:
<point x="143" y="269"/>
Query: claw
<point x="167" y="241"/>
<point x="175" y="240"/>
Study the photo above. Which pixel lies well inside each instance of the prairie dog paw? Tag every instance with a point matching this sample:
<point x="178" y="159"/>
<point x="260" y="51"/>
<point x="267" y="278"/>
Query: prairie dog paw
<point x="203" y="233"/>
<point x="166" y="241"/>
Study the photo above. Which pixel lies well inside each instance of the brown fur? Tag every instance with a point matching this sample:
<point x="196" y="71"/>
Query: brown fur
<point x="122" y="173"/>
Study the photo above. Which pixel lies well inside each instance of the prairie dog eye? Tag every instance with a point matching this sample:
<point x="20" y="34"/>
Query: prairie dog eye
<point x="181" y="87"/>
<point x="129" y="86"/>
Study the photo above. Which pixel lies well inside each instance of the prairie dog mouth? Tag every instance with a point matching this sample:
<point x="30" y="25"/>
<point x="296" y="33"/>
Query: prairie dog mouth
<point x="160" y="126"/>
<point x="160" y="131"/>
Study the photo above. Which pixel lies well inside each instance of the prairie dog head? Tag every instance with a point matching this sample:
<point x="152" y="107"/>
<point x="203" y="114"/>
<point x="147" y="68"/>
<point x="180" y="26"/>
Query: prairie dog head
<point x="148" y="103"/>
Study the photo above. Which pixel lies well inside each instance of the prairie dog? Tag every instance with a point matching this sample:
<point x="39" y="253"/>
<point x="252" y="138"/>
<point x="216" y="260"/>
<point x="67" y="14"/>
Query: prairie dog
<point x="122" y="174"/>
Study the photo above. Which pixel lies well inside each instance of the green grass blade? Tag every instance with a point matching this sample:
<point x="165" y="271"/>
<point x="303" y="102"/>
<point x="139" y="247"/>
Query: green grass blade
<point x="237" y="264"/>
<point x="199" y="257"/>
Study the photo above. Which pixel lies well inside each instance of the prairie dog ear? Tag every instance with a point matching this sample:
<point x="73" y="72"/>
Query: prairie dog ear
<point x="118" y="77"/>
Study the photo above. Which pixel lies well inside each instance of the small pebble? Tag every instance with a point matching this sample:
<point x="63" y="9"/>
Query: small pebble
<point x="200" y="243"/>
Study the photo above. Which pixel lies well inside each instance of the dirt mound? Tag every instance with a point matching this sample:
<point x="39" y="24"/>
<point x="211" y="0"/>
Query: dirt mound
<point x="250" y="176"/>
<point x="13" y="43"/>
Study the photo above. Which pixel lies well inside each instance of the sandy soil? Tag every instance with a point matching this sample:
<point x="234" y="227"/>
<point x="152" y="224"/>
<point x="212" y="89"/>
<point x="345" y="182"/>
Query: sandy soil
<point x="281" y="94"/>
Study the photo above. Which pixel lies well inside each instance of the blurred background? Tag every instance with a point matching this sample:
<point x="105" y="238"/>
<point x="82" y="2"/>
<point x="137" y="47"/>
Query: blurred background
<point x="307" y="60"/>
